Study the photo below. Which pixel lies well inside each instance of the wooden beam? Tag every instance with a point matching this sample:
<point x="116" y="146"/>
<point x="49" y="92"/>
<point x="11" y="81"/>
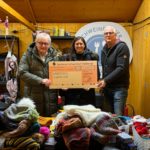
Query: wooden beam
<point x="5" y="7"/>
<point x="31" y="11"/>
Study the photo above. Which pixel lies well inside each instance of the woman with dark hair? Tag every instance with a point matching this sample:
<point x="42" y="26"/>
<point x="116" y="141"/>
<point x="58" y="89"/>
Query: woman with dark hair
<point x="80" y="52"/>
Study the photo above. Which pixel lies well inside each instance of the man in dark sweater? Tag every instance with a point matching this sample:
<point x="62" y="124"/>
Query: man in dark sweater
<point x="115" y="68"/>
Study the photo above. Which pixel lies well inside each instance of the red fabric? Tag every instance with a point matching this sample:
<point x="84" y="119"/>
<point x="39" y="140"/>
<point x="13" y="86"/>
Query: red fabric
<point x="141" y="127"/>
<point x="77" y="139"/>
<point x="59" y="100"/>
<point x="68" y="124"/>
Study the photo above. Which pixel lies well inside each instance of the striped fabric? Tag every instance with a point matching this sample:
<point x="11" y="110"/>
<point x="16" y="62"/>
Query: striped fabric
<point x="22" y="143"/>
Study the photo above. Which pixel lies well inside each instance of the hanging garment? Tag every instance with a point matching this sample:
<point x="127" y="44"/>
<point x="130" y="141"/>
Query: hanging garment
<point x="11" y="66"/>
<point x="12" y="87"/>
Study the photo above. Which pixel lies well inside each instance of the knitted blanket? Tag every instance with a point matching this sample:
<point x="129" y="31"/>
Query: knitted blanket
<point x="68" y="124"/>
<point x="21" y="111"/>
<point x="77" y="139"/>
<point x="76" y="135"/>
<point x="87" y="113"/>
<point x="27" y="143"/>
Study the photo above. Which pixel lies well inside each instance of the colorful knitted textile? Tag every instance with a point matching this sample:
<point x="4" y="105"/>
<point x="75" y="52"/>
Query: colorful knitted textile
<point x="105" y="125"/>
<point x="22" y="143"/>
<point x="45" y="121"/>
<point x="103" y="139"/>
<point x="77" y="124"/>
<point x="74" y="133"/>
<point x="45" y="131"/>
<point x="17" y="113"/>
<point x="68" y="124"/>
<point x="103" y="128"/>
<point x="22" y="128"/>
<point x="77" y="139"/>
<point x="34" y="128"/>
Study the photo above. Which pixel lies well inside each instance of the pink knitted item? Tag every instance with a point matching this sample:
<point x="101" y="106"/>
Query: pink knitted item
<point x="45" y="131"/>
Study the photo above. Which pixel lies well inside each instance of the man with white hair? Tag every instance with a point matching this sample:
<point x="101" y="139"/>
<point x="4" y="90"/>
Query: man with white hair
<point x="33" y="70"/>
<point x="115" y="71"/>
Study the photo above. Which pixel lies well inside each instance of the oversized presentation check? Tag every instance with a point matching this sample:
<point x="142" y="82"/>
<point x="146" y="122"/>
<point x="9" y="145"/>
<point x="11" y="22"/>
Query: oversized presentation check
<point x="73" y="74"/>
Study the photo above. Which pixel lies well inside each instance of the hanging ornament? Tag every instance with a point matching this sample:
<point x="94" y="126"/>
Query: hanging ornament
<point x="6" y="23"/>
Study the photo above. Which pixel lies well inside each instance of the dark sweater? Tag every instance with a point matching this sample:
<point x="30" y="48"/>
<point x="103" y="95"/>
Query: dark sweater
<point x="115" y="65"/>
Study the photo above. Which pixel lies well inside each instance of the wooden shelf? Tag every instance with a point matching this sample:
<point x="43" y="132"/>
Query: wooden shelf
<point x="62" y="37"/>
<point x="11" y="38"/>
<point x="8" y="37"/>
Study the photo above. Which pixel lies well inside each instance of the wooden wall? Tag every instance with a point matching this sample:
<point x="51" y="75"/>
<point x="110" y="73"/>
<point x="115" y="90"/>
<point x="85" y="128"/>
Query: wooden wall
<point x="139" y="93"/>
<point x="25" y="35"/>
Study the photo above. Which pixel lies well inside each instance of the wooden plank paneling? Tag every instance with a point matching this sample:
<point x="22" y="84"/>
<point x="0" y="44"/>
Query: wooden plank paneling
<point x="140" y="72"/>
<point x="79" y="11"/>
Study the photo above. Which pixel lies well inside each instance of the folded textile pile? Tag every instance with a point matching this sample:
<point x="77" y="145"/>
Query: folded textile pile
<point x="78" y="124"/>
<point x="87" y="113"/>
<point x="24" y="109"/>
<point x="65" y="125"/>
<point x="77" y="139"/>
<point x="22" y="143"/>
<point x="75" y="135"/>
<point x="19" y="119"/>
<point x="103" y="128"/>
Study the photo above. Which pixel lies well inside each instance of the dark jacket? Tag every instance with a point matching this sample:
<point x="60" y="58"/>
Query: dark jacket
<point x="32" y="70"/>
<point x="80" y="96"/>
<point x="115" y="65"/>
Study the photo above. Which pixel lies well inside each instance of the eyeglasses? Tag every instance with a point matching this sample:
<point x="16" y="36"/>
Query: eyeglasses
<point x="108" y="33"/>
<point x="42" y="43"/>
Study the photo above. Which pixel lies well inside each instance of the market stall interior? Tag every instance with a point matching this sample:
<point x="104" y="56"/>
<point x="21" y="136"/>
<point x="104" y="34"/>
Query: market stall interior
<point x="94" y="129"/>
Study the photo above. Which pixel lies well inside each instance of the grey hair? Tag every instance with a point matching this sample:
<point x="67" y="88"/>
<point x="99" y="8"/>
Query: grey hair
<point x="111" y="27"/>
<point x="43" y="35"/>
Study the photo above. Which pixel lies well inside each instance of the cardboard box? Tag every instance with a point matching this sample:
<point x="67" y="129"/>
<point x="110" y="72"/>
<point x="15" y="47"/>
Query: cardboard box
<point x="73" y="74"/>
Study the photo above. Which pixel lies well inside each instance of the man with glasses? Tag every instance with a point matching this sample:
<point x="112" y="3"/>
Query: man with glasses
<point x="115" y="72"/>
<point x="33" y="70"/>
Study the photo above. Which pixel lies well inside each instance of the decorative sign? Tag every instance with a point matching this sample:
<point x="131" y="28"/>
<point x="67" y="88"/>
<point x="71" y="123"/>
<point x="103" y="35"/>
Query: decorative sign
<point x="93" y="35"/>
<point x="73" y="74"/>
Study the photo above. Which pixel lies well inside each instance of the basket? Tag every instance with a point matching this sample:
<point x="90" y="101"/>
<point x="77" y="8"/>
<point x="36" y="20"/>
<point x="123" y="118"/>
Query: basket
<point x="142" y="144"/>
